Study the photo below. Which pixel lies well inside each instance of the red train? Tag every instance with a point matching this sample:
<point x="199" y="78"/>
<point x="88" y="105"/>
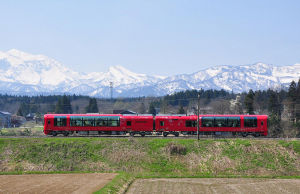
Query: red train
<point x="116" y="124"/>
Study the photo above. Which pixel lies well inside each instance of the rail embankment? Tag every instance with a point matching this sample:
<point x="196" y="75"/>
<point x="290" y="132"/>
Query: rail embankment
<point x="152" y="157"/>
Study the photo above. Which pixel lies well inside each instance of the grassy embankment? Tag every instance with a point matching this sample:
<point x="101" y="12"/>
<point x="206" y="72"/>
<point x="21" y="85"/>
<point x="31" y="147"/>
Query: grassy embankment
<point x="147" y="157"/>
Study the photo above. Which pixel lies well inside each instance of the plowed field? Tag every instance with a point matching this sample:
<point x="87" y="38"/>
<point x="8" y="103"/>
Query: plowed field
<point x="54" y="183"/>
<point x="214" y="185"/>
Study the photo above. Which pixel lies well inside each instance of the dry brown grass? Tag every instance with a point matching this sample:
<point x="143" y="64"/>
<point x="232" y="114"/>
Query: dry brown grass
<point x="175" y="149"/>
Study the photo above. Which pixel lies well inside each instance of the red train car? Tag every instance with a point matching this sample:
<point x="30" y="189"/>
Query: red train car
<point x="176" y="124"/>
<point x="134" y="124"/>
<point x="84" y="124"/>
<point x="255" y="125"/>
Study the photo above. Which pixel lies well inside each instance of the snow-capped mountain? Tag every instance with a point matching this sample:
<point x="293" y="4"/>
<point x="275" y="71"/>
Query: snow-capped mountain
<point x="26" y="74"/>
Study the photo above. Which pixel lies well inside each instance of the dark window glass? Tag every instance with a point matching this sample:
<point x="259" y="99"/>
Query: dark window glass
<point x="207" y="121"/>
<point x="220" y="122"/>
<point x="190" y="123"/>
<point x="48" y="122"/>
<point x="113" y="121"/>
<point x="250" y="121"/>
<point x="262" y="123"/>
<point x="234" y="122"/>
<point x="101" y="121"/>
<point x="88" y="121"/>
<point x="76" y="121"/>
<point x="128" y="123"/>
<point x="60" y="121"/>
<point x="162" y="123"/>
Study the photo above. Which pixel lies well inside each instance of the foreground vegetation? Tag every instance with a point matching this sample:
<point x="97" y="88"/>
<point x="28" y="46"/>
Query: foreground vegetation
<point x="147" y="157"/>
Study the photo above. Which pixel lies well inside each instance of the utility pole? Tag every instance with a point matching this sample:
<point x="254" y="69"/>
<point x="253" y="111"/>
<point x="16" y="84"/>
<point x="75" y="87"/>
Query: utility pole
<point x="198" y="112"/>
<point x="111" y="90"/>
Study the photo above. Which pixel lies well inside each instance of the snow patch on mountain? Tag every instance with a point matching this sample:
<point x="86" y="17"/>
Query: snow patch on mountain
<point x="24" y="73"/>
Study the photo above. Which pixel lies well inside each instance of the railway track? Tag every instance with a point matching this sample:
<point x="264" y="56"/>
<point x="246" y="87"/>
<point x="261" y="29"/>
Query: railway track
<point x="155" y="136"/>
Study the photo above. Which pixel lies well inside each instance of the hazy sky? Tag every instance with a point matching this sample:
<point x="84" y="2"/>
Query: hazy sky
<point x="154" y="37"/>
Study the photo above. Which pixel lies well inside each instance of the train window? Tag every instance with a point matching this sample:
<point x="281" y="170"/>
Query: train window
<point x="262" y="123"/>
<point x="113" y="121"/>
<point x="88" y="121"/>
<point x="162" y="123"/>
<point x="48" y="122"/>
<point x="76" y="121"/>
<point x="128" y="123"/>
<point x="220" y="122"/>
<point x="234" y="122"/>
<point x="250" y="121"/>
<point x="100" y="121"/>
<point x="190" y="123"/>
<point x="207" y="121"/>
<point x="60" y="121"/>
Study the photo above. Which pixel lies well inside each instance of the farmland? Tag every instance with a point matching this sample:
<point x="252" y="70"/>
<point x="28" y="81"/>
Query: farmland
<point x="151" y="158"/>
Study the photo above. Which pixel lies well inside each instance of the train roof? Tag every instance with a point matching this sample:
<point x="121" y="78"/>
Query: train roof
<point x="86" y="115"/>
<point x="158" y="116"/>
<point x="210" y="115"/>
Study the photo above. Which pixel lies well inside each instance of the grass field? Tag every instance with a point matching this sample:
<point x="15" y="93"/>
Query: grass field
<point x="147" y="157"/>
<point x="29" y="128"/>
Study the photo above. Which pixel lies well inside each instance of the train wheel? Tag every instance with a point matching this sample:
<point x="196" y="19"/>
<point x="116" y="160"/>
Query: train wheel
<point x="143" y="134"/>
<point x="176" y="134"/>
<point x="256" y="134"/>
<point x="66" y="134"/>
<point x="54" y="133"/>
<point x="244" y="134"/>
<point x="165" y="134"/>
<point x="131" y="134"/>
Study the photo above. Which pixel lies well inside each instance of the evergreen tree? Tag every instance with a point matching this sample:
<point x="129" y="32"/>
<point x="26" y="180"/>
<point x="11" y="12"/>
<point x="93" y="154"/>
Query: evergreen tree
<point x="181" y="110"/>
<point x="63" y="105"/>
<point x="142" y="108"/>
<point x="152" y="109"/>
<point x="249" y="99"/>
<point x="274" y="104"/>
<point x="292" y="96"/>
<point x="59" y="108"/>
<point x="21" y="110"/>
<point x="275" y="109"/>
<point x="297" y="102"/>
<point x="26" y="108"/>
<point x="92" y="107"/>
<point x="163" y="106"/>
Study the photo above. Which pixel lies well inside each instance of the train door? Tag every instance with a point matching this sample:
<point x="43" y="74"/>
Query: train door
<point x="129" y="125"/>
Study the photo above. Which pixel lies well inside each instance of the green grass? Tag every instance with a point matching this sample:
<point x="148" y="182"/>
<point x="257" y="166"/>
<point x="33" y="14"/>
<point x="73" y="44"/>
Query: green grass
<point x="120" y="182"/>
<point x="150" y="157"/>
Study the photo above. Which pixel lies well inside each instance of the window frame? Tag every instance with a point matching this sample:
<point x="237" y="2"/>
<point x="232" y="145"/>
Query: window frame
<point x="60" y="121"/>
<point x="203" y="124"/>
<point x="253" y="122"/>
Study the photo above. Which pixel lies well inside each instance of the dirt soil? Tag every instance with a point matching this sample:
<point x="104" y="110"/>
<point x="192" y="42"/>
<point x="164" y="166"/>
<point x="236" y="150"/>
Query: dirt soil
<point x="215" y="185"/>
<point x="54" y="183"/>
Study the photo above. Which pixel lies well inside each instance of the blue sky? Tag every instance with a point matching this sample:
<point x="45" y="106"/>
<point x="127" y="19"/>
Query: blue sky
<point x="154" y="37"/>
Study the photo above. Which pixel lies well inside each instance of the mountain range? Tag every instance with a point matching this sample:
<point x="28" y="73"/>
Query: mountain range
<point x="27" y="74"/>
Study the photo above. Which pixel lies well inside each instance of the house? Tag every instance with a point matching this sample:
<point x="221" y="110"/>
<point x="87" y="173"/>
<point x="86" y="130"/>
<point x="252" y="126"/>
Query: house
<point x="5" y="119"/>
<point x="123" y="112"/>
<point x="29" y="117"/>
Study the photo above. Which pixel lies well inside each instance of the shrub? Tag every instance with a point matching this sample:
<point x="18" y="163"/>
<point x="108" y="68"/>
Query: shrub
<point x="176" y="149"/>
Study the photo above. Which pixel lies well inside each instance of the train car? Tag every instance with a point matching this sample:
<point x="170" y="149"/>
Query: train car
<point x="83" y="124"/>
<point x="244" y="125"/>
<point x="175" y="124"/>
<point x="138" y="124"/>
